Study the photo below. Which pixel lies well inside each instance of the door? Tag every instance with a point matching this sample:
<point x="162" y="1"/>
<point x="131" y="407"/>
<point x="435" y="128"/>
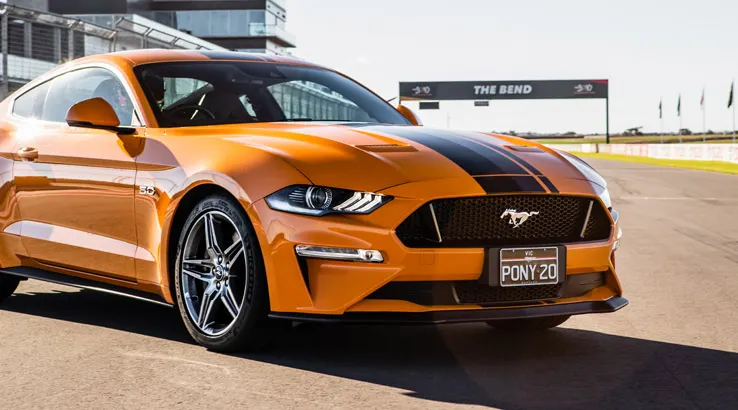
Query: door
<point x="75" y="186"/>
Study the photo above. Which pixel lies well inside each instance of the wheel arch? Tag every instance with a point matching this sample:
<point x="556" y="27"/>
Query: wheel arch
<point x="243" y="174"/>
<point x="181" y="211"/>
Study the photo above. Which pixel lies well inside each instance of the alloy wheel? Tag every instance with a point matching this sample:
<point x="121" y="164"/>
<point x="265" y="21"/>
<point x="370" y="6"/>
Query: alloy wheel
<point x="214" y="273"/>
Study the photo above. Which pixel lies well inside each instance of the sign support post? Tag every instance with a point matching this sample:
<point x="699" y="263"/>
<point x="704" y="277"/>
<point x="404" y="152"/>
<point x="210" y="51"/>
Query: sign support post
<point x="607" y="119"/>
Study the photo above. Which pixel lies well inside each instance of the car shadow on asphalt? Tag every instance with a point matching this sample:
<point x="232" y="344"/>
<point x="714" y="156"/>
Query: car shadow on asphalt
<point x="464" y="364"/>
<point x="100" y="309"/>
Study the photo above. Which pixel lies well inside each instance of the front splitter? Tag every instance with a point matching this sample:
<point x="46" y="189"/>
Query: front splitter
<point x="460" y="316"/>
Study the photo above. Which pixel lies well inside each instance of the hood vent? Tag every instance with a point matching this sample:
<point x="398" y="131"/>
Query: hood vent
<point x="387" y="148"/>
<point x="523" y="148"/>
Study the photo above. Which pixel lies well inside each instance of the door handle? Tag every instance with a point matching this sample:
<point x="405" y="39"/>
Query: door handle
<point x="28" y="153"/>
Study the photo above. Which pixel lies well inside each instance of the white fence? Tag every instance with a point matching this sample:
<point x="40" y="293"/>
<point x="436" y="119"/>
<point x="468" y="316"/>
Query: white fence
<point x="701" y="152"/>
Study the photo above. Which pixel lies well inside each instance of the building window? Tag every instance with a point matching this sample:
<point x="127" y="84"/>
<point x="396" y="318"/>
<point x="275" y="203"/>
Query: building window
<point x="217" y="23"/>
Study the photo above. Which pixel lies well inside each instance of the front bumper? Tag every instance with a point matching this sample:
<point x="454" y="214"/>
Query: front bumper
<point x="332" y="288"/>
<point x="461" y="316"/>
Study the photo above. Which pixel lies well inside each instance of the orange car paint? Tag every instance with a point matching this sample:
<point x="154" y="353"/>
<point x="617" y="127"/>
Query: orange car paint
<point x="77" y="208"/>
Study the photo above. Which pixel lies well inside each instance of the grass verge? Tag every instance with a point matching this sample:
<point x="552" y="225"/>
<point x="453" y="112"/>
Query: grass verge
<point x="714" y="166"/>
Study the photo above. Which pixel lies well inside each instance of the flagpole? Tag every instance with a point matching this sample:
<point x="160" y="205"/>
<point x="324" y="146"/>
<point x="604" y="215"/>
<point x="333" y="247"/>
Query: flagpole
<point x="661" y="118"/>
<point x="731" y="94"/>
<point x="703" y="108"/>
<point x="679" y="113"/>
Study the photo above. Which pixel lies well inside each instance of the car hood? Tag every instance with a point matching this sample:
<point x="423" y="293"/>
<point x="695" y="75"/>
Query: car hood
<point x="371" y="157"/>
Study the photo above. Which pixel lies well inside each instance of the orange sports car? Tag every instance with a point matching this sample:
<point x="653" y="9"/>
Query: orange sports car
<point x="249" y="191"/>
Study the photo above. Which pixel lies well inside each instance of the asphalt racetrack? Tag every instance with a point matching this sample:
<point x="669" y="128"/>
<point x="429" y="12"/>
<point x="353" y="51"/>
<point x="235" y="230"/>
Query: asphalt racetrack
<point x="675" y="346"/>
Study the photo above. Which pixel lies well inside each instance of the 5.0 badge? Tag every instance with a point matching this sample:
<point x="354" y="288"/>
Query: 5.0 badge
<point x="147" y="190"/>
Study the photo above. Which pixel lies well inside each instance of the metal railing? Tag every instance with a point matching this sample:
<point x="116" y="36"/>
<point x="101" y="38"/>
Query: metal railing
<point x="33" y="42"/>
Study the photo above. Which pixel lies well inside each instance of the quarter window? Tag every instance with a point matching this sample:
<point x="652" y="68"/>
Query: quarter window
<point x="31" y="103"/>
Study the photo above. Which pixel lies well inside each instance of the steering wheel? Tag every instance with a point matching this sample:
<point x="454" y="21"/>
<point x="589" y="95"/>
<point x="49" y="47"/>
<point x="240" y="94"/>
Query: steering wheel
<point x="197" y="108"/>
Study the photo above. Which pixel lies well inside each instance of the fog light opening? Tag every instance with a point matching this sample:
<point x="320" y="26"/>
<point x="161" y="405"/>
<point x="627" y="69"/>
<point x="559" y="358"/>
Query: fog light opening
<point x="344" y="254"/>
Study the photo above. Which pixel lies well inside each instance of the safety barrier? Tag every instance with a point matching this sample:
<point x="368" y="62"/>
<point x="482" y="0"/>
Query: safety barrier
<point x="700" y="152"/>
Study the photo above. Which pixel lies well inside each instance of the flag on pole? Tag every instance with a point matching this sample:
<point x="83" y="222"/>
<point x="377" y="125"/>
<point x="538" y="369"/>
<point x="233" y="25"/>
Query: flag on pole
<point x="661" y="112"/>
<point x="679" y="106"/>
<point x="730" y="97"/>
<point x="702" y="99"/>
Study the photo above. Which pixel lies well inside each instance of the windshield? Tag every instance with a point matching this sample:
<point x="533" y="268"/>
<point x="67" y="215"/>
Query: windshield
<point x="225" y="92"/>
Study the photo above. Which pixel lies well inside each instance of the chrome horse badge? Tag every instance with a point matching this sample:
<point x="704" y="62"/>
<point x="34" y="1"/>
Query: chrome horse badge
<point x="517" y="218"/>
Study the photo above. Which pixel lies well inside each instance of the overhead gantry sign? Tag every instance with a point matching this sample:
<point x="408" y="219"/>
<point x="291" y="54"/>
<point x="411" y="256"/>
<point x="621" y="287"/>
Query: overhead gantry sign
<point x="507" y="90"/>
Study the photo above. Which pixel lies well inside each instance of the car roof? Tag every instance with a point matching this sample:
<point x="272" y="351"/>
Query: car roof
<point x="147" y="56"/>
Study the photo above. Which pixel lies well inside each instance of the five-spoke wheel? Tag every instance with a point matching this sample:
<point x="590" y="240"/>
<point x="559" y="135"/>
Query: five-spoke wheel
<point x="219" y="277"/>
<point x="213" y="277"/>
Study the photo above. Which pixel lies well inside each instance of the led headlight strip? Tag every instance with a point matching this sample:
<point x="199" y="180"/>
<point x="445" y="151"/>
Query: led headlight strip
<point x="360" y="202"/>
<point x="319" y="200"/>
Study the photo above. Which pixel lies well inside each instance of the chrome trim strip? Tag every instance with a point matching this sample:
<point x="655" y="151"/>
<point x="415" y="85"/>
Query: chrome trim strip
<point x="586" y="220"/>
<point x="435" y="223"/>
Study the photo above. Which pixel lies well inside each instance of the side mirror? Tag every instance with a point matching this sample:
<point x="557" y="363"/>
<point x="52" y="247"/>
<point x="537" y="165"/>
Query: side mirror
<point x="410" y="115"/>
<point x="96" y="113"/>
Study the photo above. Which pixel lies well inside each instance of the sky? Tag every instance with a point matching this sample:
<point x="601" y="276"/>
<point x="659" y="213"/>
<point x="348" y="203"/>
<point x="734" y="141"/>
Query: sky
<point x="648" y="49"/>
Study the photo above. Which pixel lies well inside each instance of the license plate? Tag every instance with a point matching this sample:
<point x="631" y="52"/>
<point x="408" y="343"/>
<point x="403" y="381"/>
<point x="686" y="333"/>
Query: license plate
<point x="529" y="266"/>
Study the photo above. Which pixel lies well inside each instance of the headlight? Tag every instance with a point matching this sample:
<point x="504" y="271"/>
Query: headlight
<point x="604" y="195"/>
<point x="318" y="200"/>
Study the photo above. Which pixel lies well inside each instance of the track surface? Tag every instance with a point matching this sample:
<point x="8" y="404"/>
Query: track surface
<point x="674" y="347"/>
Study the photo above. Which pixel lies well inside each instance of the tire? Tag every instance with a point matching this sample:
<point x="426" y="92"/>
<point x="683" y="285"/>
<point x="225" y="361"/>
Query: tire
<point x="8" y="285"/>
<point x="528" y="325"/>
<point x="234" y="288"/>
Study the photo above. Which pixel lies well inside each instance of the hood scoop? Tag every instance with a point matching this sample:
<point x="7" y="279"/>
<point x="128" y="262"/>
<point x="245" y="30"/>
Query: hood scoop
<point x="523" y="148"/>
<point x="387" y="148"/>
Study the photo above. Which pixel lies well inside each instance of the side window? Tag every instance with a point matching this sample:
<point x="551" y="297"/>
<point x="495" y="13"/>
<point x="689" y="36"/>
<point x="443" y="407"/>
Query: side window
<point x="305" y="99"/>
<point x="31" y="103"/>
<point x="70" y="88"/>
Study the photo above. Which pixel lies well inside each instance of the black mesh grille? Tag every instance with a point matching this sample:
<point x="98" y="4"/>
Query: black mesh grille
<point x="475" y="293"/>
<point x="478" y="222"/>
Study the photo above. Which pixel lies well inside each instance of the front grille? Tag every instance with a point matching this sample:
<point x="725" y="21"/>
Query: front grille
<point x="478" y="294"/>
<point x="478" y="222"/>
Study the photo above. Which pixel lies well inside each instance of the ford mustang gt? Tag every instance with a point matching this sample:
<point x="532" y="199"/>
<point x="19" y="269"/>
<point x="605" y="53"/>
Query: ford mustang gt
<point x="250" y="191"/>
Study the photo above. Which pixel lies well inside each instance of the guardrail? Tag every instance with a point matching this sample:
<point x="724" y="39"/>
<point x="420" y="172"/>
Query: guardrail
<point x="700" y="152"/>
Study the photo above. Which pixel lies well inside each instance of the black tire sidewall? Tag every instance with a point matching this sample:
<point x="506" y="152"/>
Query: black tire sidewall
<point x="245" y="332"/>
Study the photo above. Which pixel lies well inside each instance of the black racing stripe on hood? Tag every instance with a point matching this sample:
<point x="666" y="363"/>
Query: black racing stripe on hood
<point x="505" y="184"/>
<point x="495" y="155"/>
<point x="472" y="158"/>
<point x="551" y="187"/>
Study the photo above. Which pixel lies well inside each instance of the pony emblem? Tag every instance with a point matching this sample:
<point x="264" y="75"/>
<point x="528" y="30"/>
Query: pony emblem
<point x="517" y="218"/>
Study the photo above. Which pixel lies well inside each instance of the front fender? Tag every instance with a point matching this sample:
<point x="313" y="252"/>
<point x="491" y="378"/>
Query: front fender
<point x="177" y="168"/>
